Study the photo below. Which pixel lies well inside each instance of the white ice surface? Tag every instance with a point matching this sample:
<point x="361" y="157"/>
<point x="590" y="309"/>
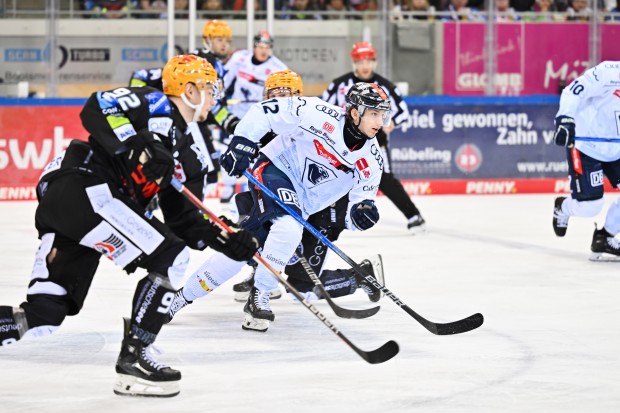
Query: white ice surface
<point x="550" y="341"/>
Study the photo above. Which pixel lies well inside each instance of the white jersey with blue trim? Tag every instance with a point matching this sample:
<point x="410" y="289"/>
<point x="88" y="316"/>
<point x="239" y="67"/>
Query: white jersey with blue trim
<point x="593" y="100"/>
<point x="245" y="80"/>
<point x="310" y="149"/>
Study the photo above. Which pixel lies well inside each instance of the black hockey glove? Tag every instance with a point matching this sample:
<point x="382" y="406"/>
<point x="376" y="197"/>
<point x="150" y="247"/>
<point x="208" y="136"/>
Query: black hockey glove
<point x="564" y="131"/>
<point x="237" y="158"/>
<point x="364" y="214"/>
<point x="239" y="245"/>
<point x="230" y="123"/>
<point x="146" y="149"/>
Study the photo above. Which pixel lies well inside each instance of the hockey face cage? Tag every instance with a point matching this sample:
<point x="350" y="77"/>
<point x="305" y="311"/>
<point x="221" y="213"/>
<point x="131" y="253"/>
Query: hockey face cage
<point x="284" y="80"/>
<point x="369" y="96"/>
<point x="363" y="51"/>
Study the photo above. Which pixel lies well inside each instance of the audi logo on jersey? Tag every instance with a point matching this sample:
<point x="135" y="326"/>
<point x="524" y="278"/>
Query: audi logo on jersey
<point x="329" y="111"/>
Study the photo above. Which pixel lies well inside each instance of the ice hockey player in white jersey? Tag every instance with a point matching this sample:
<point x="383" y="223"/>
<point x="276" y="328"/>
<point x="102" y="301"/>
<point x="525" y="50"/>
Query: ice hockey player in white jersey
<point x="320" y="154"/>
<point x="329" y="222"/>
<point x="246" y="72"/>
<point x="588" y="125"/>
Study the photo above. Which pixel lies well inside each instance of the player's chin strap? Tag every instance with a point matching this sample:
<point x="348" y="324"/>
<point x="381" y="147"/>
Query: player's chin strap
<point x="197" y="108"/>
<point x="461" y="326"/>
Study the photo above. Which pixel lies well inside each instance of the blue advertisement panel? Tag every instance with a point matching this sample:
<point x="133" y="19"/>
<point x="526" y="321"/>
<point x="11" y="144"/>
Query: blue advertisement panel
<point x="478" y="139"/>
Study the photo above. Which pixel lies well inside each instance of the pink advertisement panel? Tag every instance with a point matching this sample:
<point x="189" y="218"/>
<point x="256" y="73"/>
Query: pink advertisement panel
<point x="531" y="59"/>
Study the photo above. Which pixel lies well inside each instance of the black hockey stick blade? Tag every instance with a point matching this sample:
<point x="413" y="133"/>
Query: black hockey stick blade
<point x="377" y="356"/>
<point x="441" y="329"/>
<point x="350" y="313"/>
<point x="339" y="311"/>
<point x="455" y="327"/>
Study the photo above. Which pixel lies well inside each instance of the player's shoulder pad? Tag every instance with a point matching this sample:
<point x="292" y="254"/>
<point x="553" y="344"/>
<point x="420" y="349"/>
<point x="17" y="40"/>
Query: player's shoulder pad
<point x="606" y="73"/>
<point x="158" y="103"/>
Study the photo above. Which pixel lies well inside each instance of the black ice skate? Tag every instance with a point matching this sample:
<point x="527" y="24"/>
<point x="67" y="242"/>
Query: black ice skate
<point x="560" y="219"/>
<point x="242" y="289"/>
<point x="416" y="224"/>
<point x="178" y="302"/>
<point x="373" y="267"/>
<point x="257" y="311"/>
<point x="605" y="247"/>
<point x="139" y="374"/>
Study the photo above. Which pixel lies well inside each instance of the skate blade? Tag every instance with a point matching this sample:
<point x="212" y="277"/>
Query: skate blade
<point x="604" y="257"/>
<point x="241" y="296"/>
<point x="255" y="324"/>
<point x="127" y="385"/>
<point x="418" y="230"/>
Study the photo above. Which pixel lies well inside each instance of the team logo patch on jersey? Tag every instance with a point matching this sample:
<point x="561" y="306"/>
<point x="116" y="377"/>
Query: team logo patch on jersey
<point x="288" y="196"/>
<point x="330" y="128"/>
<point x="617" y="93"/>
<point x="596" y="178"/>
<point x="109" y="245"/>
<point x="363" y="167"/>
<point x="317" y="174"/>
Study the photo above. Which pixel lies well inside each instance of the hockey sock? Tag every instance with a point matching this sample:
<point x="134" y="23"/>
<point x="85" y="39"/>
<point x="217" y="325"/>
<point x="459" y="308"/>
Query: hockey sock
<point x="13" y="325"/>
<point x="215" y="271"/>
<point x="153" y="297"/>
<point x="284" y="236"/>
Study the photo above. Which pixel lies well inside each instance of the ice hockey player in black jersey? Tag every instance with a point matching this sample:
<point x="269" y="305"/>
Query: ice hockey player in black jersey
<point x="92" y="203"/>
<point x="216" y="37"/>
<point x="364" y="58"/>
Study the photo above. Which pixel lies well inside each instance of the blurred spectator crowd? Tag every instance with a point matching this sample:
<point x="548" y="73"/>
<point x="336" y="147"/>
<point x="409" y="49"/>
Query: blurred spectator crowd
<point x="463" y="10"/>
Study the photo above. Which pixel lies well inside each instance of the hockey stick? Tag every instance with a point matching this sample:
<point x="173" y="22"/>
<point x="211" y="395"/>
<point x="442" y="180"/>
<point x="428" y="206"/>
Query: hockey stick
<point x="461" y="326"/>
<point x="339" y="311"/>
<point x="589" y="139"/>
<point x="383" y="353"/>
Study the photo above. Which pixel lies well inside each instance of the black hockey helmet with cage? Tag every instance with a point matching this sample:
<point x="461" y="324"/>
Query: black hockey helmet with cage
<point x="367" y="95"/>
<point x="364" y="96"/>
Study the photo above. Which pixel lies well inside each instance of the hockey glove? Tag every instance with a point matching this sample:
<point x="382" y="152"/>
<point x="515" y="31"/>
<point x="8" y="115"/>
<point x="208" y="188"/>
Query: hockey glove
<point x="237" y="158"/>
<point x="147" y="150"/>
<point x="364" y="214"/>
<point x="564" y="131"/>
<point x="230" y="123"/>
<point x="239" y="245"/>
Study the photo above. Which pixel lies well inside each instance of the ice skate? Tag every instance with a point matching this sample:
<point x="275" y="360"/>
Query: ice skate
<point x="258" y="314"/>
<point x="605" y="247"/>
<point x="178" y="302"/>
<point x="139" y="374"/>
<point x="374" y="267"/>
<point x="560" y="219"/>
<point x="416" y="224"/>
<point x="242" y="289"/>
